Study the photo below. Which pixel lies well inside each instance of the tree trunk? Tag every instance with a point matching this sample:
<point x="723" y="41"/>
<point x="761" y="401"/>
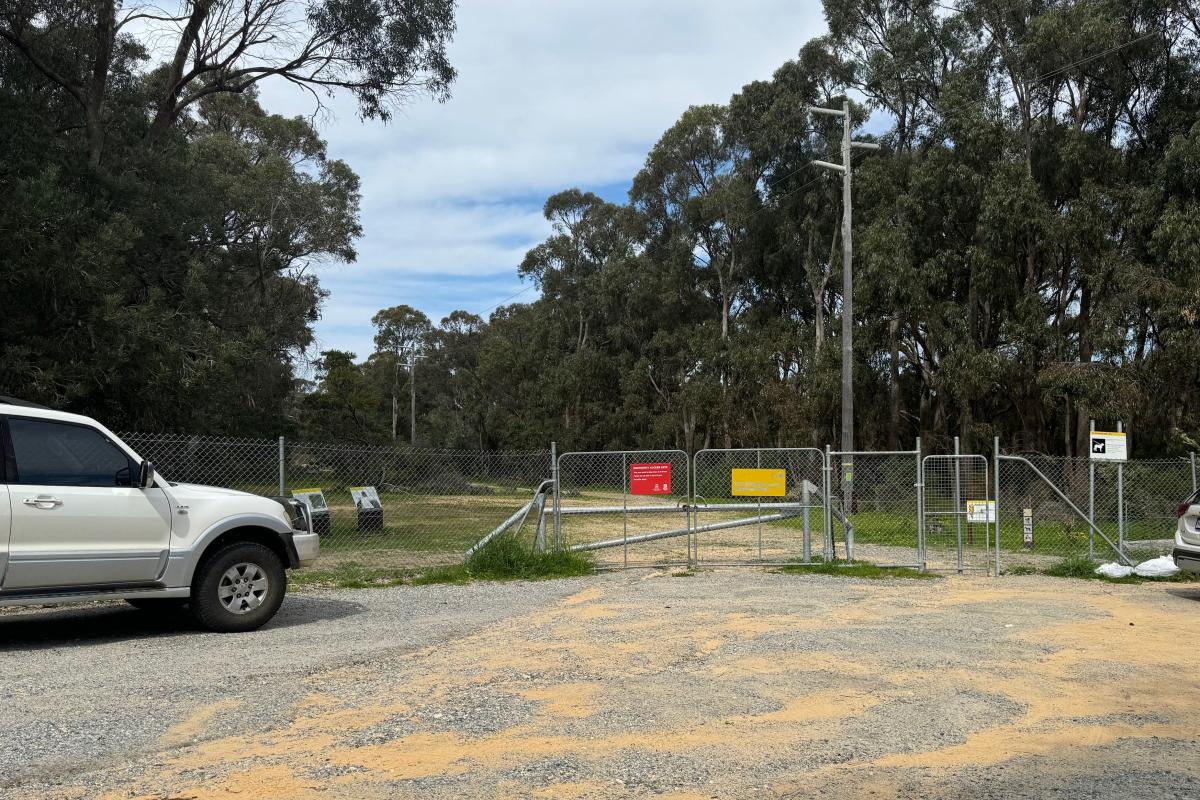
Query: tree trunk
<point x="106" y="24"/>
<point x="164" y="112"/>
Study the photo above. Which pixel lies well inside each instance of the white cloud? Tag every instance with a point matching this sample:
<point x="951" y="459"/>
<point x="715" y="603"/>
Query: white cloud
<point x="551" y="94"/>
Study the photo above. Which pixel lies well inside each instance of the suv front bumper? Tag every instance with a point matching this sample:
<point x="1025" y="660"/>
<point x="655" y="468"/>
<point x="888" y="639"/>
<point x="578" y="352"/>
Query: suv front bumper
<point x="308" y="547"/>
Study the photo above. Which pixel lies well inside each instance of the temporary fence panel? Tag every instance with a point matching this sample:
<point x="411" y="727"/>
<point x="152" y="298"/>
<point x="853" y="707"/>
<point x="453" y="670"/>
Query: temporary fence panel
<point x="959" y="513"/>
<point x="643" y="507"/>
<point x="1051" y="508"/>
<point x="759" y="506"/>
<point x="627" y="507"/>
<point x="878" y="492"/>
<point x="436" y="504"/>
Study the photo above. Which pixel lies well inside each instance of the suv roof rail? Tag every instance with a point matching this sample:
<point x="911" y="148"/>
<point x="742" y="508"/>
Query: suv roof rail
<point x="16" y="401"/>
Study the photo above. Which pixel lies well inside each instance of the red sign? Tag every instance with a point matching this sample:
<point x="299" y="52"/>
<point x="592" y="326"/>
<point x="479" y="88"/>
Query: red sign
<point x="649" y="478"/>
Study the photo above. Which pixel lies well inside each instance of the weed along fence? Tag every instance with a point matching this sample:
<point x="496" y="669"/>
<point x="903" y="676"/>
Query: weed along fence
<point x="389" y="507"/>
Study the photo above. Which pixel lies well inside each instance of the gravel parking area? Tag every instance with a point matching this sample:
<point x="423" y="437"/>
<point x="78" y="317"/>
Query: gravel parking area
<point x="734" y="683"/>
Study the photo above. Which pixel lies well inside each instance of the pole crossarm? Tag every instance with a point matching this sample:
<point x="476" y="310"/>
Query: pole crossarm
<point x="829" y="112"/>
<point x="829" y="165"/>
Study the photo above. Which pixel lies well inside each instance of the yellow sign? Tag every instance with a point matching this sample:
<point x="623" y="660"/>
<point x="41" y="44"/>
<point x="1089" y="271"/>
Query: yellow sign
<point x="759" y="482"/>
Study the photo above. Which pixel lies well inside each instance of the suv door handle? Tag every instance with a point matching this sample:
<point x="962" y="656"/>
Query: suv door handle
<point x="42" y="501"/>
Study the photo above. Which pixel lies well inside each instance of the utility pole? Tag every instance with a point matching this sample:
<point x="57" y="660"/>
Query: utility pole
<point x="847" y="295"/>
<point x="412" y="398"/>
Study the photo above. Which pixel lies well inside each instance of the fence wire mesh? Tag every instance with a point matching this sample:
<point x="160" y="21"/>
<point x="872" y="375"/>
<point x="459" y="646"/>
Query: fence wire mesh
<point x="958" y="516"/>
<point x="1132" y="503"/>
<point x="878" y="493"/>
<point x="775" y="516"/>
<point x="627" y="507"/>
<point x="435" y="503"/>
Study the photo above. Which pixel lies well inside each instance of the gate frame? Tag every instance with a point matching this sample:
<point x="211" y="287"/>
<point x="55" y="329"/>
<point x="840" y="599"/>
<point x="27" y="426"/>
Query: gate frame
<point x="806" y="548"/>
<point x="626" y="509"/>
<point x="919" y="486"/>
<point x="959" y="458"/>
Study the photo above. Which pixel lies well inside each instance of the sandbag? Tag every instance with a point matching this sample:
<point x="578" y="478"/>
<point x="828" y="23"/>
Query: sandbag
<point x="1161" y="567"/>
<point x="1114" y="570"/>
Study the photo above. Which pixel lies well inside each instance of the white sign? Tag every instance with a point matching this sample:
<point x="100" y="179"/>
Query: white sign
<point x="313" y="498"/>
<point x="981" y="511"/>
<point x="365" y="497"/>
<point x="1107" y="446"/>
<point x="1027" y="528"/>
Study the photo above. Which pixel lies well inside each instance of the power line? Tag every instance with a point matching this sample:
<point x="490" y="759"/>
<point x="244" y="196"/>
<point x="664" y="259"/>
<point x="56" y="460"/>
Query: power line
<point x="505" y="300"/>
<point x="1085" y="60"/>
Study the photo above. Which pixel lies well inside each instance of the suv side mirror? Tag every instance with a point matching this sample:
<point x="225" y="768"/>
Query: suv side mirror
<point x="145" y="475"/>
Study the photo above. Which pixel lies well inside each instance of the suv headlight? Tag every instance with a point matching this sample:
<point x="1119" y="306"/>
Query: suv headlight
<point x="297" y="512"/>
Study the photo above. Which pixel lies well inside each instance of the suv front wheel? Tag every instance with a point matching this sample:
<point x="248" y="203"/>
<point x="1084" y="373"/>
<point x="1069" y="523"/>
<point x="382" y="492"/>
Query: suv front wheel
<point x="238" y="588"/>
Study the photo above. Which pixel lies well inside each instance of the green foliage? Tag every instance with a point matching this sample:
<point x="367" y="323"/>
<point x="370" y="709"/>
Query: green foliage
<point x="1027" y="252"/>
<point x="857" y="569"/>
<point x="160" y="227"/>
<point x="1082" y="567"/>
<point x="1076" y="566"/>
<point x="1024" y="260"/>
<point x="506" y="559"/>
<point x="502" y="559"/>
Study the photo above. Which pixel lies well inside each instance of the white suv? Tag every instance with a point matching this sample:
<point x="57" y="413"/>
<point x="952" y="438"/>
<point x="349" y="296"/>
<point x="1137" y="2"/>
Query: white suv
<point x="83" y="518"/>
<point x="1187" y="535"/>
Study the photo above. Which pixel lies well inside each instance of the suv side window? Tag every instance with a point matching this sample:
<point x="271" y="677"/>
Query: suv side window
<point x="63" y="454"/>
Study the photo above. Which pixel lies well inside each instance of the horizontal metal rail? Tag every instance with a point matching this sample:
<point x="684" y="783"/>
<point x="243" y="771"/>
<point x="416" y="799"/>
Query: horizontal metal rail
<point x="518" y="516"/>
<point x="650" y="537"/>
<point x="685" y="507"/>
<point x="564" y="510"/>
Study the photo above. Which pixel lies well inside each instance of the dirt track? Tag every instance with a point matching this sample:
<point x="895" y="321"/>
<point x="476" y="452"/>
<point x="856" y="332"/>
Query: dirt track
<point x="728" y="684"/>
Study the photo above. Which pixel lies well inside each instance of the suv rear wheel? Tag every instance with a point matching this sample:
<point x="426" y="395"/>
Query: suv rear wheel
<point x="238" y="588"/>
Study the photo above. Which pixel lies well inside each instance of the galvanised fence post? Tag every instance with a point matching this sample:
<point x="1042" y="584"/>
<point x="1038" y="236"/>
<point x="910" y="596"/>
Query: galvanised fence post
<point x="554" y="476"/>
<point x="281" y="470"/>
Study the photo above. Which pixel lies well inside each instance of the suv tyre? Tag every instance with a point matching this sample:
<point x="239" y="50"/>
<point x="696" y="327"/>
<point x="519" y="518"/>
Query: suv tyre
<point x="238" y="588"/>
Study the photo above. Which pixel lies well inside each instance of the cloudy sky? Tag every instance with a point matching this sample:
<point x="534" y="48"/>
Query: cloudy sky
<point x="551" y="94"/>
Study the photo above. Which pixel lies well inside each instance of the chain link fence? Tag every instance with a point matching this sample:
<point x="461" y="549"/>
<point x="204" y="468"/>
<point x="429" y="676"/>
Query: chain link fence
<point x="878" y="494"/>
<point x="663" y="507"/>
<point x="433" y="504"/>
<point x="627" y="507"/>
<point x="1054" y="507"/>
<point x="759" y="506"/>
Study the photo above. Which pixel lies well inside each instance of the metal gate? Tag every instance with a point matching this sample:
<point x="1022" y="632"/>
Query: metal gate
<point x="629" y="507"/>
<point x="875" y="500"/>
<point x="958" y="513"/>
<point x="759" y="506"/>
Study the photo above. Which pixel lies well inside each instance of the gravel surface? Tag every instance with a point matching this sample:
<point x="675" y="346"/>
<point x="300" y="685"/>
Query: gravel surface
<point x="734" y="683"/>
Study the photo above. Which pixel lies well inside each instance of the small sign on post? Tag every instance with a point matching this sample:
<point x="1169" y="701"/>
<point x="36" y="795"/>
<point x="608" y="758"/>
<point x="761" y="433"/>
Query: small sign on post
<point x="1108" y="446"/>
<point x="1027" y="528"/>
<point x="758" y="482"/>
<point x="650" y="478"/>
<point x="368" y="506"/>
<point x="982" y="511"/>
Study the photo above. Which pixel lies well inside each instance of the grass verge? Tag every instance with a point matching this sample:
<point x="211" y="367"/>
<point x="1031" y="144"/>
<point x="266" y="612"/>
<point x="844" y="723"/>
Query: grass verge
<point x="1083" y="568"/>
<point x="858" y="569"/>
<point x="503" y="559"/>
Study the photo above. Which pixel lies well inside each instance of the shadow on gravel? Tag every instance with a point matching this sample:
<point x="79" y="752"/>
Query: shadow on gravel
<point x="1192" y="593"/>
<point x="83" y="625"/>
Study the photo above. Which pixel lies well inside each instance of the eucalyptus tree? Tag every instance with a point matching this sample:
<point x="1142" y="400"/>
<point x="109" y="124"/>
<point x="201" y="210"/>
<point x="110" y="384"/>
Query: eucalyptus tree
<point x="401" y="337"/>
<point x="380" y="51"/>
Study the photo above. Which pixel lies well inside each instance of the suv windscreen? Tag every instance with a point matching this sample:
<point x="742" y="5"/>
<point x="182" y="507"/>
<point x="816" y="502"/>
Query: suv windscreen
<point x="62" y="454"/>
